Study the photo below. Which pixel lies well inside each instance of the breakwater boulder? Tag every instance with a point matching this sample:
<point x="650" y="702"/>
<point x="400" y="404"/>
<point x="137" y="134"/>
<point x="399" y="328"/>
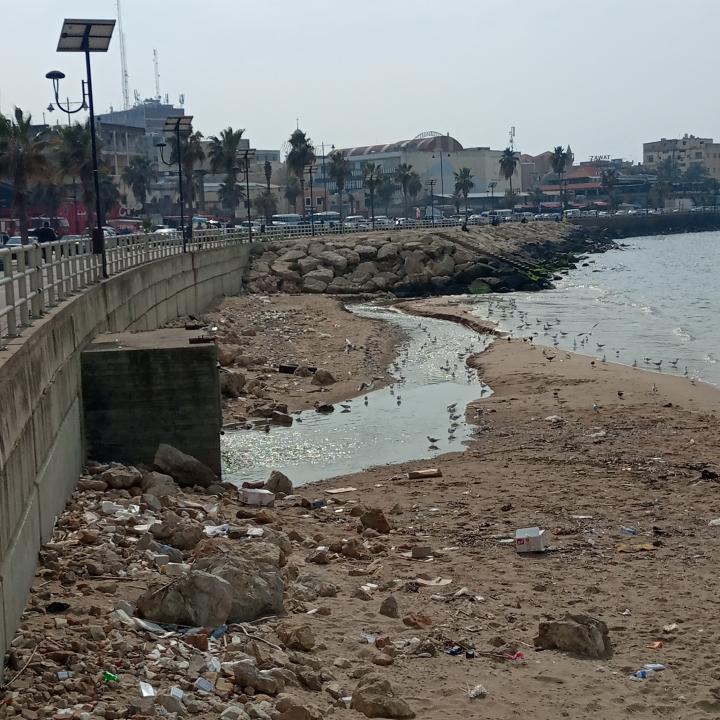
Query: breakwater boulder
<point x="409" y="263"/>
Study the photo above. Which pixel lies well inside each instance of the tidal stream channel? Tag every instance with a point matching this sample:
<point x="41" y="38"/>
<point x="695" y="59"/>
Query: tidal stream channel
<point x="421" y="415"/>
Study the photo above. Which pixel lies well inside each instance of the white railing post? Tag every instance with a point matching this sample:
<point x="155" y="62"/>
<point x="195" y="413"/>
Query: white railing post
<point x="10" y="294"/>
<point x="49" y="267"/>
<point x="22" y="288"/>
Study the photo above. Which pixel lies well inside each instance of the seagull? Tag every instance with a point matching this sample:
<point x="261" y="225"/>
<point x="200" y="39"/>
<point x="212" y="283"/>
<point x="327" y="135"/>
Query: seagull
<point x="657" y="364"/>
<point x="366" y="399"/>
<point x="600" y="345"/>
<point x="654" y="388"/>
<point x="432" y="440"/>
<point x="345" y="408"/>
<point x="620" y="393"/>
<point x="433" y="447"/>
<point x="596" y="407"/>
<point x="674" y="362"/>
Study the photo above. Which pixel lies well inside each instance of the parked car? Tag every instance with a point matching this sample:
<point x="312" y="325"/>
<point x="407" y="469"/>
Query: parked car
<point x="405" y="223"/>
<point x="382" y="222"/>
<point x="355" y="222"/>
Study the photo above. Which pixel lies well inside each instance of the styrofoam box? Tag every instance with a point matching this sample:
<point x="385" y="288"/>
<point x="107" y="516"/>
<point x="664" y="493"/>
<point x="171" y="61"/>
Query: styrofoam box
<point x="530" y="540"/>
<point x="257" y="497"/>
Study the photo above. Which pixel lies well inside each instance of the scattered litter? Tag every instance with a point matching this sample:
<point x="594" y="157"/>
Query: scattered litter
<point x="337" y="491"/>
<point x="554" y="419"/>
<point x="318" y="503"/>
<point x="203" y="685"/>
<point x="635" y="547"/>
<point x="671" y="628"/>
<point x="255" y="532"/>
<point x="647" y="671"/>
<point x="147" y="690"/>
<point x="109" y="677"/>
<point x="628" y="530"/>
<point x="64" y="674"/>
<point x="529" y="540"/>
<point x="57" y="607"/>
<point x="177" y="693"/>
<point x="714" y="523"/>
<point x="217" y="530"/>
<point x="424" y="473"/>
<point x="514" y="657"/>
<point x="657" y="645"/>
<point x="477" y="692"/>
<point x="435" y="582"/>
<point x="257" y="496"/>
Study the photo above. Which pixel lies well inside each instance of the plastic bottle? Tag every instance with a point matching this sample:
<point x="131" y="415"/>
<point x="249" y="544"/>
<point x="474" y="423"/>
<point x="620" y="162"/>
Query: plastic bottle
<point x="642" y="674"/>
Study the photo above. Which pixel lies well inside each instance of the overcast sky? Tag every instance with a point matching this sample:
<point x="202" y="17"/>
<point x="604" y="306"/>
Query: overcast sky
<point x="601" y="75"/>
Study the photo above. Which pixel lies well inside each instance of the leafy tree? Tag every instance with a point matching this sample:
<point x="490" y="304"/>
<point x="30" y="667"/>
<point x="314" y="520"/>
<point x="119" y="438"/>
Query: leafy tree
<point x="138" y="176"/>
<point x="22" y="161"/>
<point x="266" y="204"/>
<point x="508" y="162"/>
<point x="109" y="193"/>
<point x="463" y="185"/>
<point x="302" y="154"/>
<point x="385" y="191"/>
<point x="403" y="175"/>
<point x="667" y="171"/>
<point x="559" y="163"/>
<point x="414" y="185"/>
<point x="267" y="167"/>
<point x="224" y="151"/>
<point x="537" y="196"/>
<point x="48" y="194"/>
<point x="268" y="174"/>
<point x="72" y="153"/>
<point x="372" y="179"/>
<point x="292" y="190"/>
<point x="696" y="172"/>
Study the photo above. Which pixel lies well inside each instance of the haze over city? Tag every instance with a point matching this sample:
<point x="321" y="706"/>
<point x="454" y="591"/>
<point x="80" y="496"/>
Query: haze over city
<point x="601" y="76"/>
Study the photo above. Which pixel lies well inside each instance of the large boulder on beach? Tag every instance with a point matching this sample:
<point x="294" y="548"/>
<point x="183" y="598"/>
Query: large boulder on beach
<point x="197" y="600"/>
<point x="306" y="264"/>
<point x="580" y="635"/>
<point x="340" y="285"/>
<point x="321" y="274"/>
<point x="443" y="266"/>
<point x="375" y="697"/>
<point x="385" y="280"/>
<point x="314" y="286"/>
<point x="389" y="250"/>
<point x="415" y="263"/>
<point x="338" y="262"/>
<point x="292" y="255"/>
<point x="366" y="252"/>
<point x="186" y="470"/>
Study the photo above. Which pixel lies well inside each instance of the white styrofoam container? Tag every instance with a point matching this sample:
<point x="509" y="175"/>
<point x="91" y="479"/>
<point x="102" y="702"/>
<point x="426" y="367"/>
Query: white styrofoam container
<point x="530" y="540"/>
<point x="257" y="497"/>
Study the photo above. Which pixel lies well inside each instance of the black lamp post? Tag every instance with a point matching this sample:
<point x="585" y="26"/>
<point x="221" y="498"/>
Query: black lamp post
<point x="442" y="174"/>
<point x="312" y="201"/>
<point x="432" y="201"/>
<point x="177" y="124"/>
<point x="248" y="154"/>
<point x="492" y="185"/>
<point x="86" y="36"/>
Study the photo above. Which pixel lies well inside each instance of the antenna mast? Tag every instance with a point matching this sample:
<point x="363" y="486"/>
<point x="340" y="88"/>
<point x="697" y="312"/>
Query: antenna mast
<point x="157" y="75"/>
<point x="123" y="61"/>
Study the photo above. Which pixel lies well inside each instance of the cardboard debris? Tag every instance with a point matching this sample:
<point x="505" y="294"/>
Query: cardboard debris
<point x="425" y="473"/>
<point x="337" y="491"/>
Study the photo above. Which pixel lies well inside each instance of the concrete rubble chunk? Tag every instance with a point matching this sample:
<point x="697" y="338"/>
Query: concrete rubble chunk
<point x="231" y="383"/>
<point x="389" y="607"/>
<point x="375" y="519"/>
<point x="196" y="600"/>
<point x="186" y="470"/>
<point x="159" y="485"/>
<point x="580" y="635"/>
<point x="297" y="637"/>
<point x="375" y="697"/>
<point x="121" y="477"/>
<point x="279" y="483"/>
<point x="323" y="378"/>
<point x="264" y="681"/>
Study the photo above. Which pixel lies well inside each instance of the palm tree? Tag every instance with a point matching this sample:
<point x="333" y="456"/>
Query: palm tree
<point x="463" y="185"/>
<point x="22" y="161"/>
<point x="48" y="194"/>
<point x="372" y="179"/>
<point x="109" y="193"/>
<point x="292" y="190"/>
<point x="302" y="154"/>
<point x="385" y="191"/>
<point x="192" y="154"/>
<point x="608" y="180"/>
<point x="266" y="205"/>
<point x="72" y="150"/>
<point x="268" y="176"/>
<point x="403" y="174"/>
<point x="224" y="159"/>
<point x="138" y="176"/>
<point x="508" y="162"/>
<point x="559" y="163"/>
<point x="339" y="172"/>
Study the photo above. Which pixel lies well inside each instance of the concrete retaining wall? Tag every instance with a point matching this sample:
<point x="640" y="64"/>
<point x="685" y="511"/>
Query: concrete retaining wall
<point x="620" y="226"/>
<point x="41" y="445"/>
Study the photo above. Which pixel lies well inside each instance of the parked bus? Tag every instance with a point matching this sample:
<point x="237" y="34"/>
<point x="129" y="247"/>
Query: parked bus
<point x="287" y="219"/>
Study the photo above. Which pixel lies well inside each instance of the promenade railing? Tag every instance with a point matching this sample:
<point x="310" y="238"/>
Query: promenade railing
<point x="39" y="276"/>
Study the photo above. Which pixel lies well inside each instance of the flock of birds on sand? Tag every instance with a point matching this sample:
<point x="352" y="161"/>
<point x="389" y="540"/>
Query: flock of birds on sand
<point x="507" y="311"/>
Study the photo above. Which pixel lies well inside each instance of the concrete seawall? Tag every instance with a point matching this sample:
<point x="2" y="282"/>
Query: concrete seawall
<point x="41" y="435"/>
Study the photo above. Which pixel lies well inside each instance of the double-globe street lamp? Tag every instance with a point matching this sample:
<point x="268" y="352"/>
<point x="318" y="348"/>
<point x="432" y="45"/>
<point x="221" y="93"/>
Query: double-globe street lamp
<point x="178" y="124"/>
<point x="248" y="155"/>
<point x="86" y="36"/>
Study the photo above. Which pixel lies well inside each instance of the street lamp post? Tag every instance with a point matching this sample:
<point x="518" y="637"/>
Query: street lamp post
<point x="432" y="201"/>
<point x="312" y="201"/>
<point x="87" y="36"/>
<point x="492" y="185"/>
<point x="442" y="174"/>
<point x="177" y="124"/>
<point x="247" y="191"/>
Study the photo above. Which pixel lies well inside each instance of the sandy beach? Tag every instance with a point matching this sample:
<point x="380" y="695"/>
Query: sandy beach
<point x="618" y="465"/>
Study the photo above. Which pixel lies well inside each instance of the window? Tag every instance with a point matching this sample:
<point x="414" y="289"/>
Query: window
<point x="319" y="201"/>
<point x="698" y="155"/>
<point x="307" y="202"/>
<point x="651" y="158"/>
